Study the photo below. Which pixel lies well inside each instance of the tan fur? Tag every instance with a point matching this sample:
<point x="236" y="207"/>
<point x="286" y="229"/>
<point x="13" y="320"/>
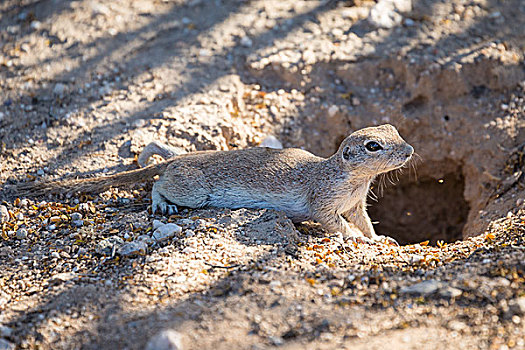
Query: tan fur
<point x="91" y="185"/>
<point x="332" y="191"/>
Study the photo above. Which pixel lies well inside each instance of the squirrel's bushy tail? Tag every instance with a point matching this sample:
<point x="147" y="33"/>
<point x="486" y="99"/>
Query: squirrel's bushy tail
<point x="90" y="185"/>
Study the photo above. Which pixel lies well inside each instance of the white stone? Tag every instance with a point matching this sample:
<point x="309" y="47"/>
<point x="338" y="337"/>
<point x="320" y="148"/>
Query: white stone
<point x="402" y="5"/>
<point x="246" y="41"/>
<point x="423" y="288"/>
<point x="106" y="246"/>
<point x="409" y="22"/>
<point x="146" y="239"/>
<point x="166" y="232"/>
<point x="62" y="277"/>
<point x="76" y="216"/>
<point x="167" y="339"/>
<point x="271" y="141"/>
<point x="59" y="89"/>
<point x="517" y="306"/>
<point x="189" y="250"/>
<point x="384" y="14"/>
<point x="133" y="248"/>
<point x="415" y="259"/>
<point x="78" y="223"/>
<point x="205" y="53"/>
<point x="6" y="345"/>
<point x="450" y="292"/>
<point x="309" y="57"/>
<point x="21" y="233"/>
<point x="4" y="214"/>
<point x="333" y="110"/>
<point x="36" y="25"/>
<point x="157" y="224"/>
<point x="5" y="331"/>
<point x="456" y="325"/>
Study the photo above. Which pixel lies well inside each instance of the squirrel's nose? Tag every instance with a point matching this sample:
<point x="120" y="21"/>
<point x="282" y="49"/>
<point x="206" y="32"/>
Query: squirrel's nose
<point x="409" y="151"/>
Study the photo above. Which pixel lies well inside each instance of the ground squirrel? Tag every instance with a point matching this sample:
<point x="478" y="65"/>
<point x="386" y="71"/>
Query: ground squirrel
<point x="332" y="190"/>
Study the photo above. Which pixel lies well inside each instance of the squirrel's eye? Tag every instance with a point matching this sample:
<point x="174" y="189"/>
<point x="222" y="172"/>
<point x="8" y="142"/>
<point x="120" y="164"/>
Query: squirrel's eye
<point x="373" y="146"/>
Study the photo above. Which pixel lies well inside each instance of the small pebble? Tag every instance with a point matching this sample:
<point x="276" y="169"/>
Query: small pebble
<point x="333" y="110"/>
<point x="450" y="292"/>
<point x="246" y="41"/>
<point x="423" y="288"/>
<point x="415" y="259"/>
<point x="36" y="25"/>
<point x="62" y="277"/>
<point x="157" y="224"/>
<point x="409" y="22"/>
<point x="6" y="345"/>
<point x="166" y="232"/>
<point x="106" y="246"/>
<point x="5" y="331"/>
<point x="21" y="233"/>
<point x="146" y="239"/>
<point x="189" y="250"/>
<point x="83" y="207"/>
<point x="275" y="340"/>
<point x="205" y="53"/>
<point x="76" y="216"/>
<point x="517" y="306"/>
<point x="4" y="214"/>
<point x="55" y="255"/>
<point x="383" y="15"/>
<point x="78" y="223"/>
<point x="133" y="248"/>
<point x="456" y="325"/>
<point x="59" y="89"/>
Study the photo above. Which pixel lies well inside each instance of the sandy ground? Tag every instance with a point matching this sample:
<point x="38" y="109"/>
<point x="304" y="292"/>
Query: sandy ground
<point x="85" y="85"/>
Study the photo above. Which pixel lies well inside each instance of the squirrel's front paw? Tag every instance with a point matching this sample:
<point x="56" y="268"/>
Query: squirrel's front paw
<point x="356" y="237"/>
<point x="386" y="240"/>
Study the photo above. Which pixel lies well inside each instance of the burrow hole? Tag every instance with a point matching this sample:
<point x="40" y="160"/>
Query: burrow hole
<point x="413" y="211"/>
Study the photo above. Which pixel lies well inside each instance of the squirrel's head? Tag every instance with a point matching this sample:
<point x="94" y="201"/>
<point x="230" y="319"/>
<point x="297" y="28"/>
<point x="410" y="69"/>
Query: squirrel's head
<point x="372" y="151"/>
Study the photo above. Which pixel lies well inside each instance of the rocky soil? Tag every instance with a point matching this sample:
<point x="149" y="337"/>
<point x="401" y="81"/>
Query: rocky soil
<point x="87" y="84"/>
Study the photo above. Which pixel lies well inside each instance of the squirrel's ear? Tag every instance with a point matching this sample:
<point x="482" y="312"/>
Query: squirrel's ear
<point x="346" y="153"/>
